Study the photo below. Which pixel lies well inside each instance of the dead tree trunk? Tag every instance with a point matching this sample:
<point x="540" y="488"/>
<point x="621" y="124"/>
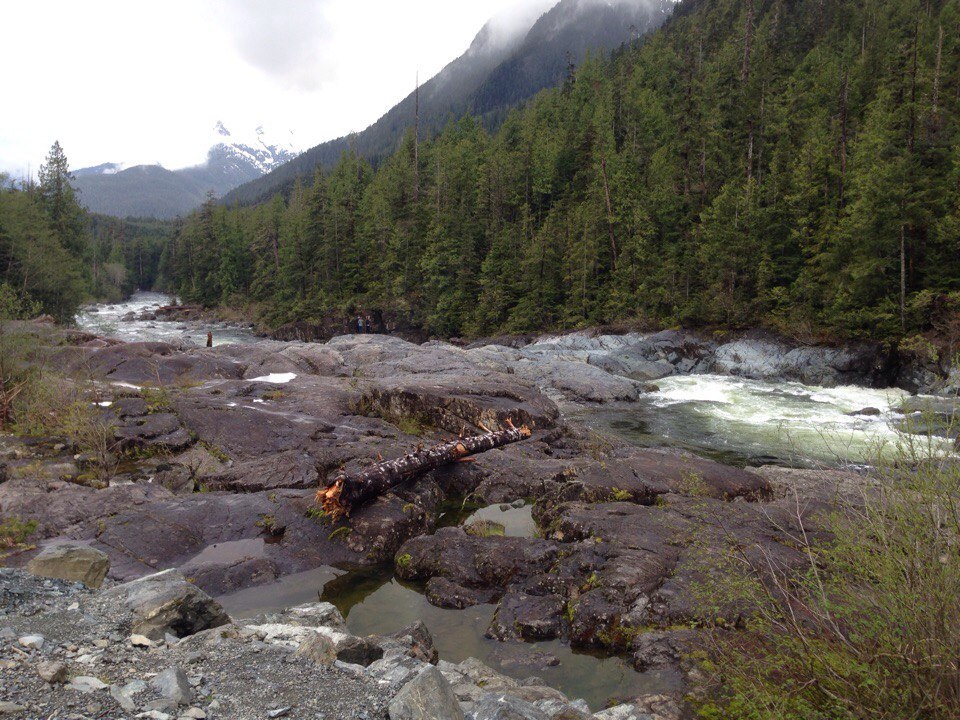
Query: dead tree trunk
<point x="349" y="491"/>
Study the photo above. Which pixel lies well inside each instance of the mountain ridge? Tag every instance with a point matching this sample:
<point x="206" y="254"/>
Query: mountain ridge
<point x="154" y="191"/>
<point x="538" y="56"/>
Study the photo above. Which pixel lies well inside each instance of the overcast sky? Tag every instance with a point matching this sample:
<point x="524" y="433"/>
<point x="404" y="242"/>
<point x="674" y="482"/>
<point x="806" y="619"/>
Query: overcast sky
<point x="144" y="81"/>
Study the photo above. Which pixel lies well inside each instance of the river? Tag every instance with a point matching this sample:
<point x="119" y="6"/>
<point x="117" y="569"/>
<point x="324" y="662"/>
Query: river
<point x="731" y="419"/>
<point x="113" y="320"/>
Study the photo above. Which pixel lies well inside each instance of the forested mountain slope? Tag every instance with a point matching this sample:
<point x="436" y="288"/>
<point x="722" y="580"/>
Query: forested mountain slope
<point x="793" y="163"/>
<point x="502" y="67"/>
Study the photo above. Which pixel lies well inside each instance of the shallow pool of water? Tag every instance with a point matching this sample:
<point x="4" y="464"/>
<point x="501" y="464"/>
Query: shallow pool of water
<point x="754" y="422"/>
<point x="375" y="602"/>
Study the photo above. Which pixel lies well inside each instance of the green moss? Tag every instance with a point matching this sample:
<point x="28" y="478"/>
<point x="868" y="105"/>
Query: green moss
<point x="157" y="399"/>
<point x="341" y="533"/>
<point x="215" y="451"/>
<point x="409" y="426"/>
<point x="14" y="531"/>
<point x="403" y="561"/>
<point x="315" y="512"/>
<point x="485" y="528"/>
<point x="592" y="583"/>
<point x="622" y="495"/>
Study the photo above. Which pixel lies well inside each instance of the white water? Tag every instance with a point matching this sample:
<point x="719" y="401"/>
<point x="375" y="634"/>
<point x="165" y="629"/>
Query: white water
<point x="756" y="421"/>
<point x="108" y="320"/>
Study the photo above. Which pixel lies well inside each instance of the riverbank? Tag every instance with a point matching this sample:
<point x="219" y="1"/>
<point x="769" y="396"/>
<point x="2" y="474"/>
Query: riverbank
<point x="214" y="456"/>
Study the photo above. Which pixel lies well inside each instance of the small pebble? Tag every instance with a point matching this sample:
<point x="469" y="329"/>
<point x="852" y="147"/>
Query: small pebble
<point x="34" y="642"/>
<point x="278" y="712"/>
<point x="52" y="672"/>
<point x="141" y="641"/>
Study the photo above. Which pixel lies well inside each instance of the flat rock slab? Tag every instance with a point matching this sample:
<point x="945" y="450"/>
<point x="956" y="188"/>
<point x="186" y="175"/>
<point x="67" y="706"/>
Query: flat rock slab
<point x="73" y="563"/>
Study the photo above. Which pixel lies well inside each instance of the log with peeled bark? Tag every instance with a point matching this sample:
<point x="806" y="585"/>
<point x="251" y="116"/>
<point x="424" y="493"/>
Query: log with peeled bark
<point x="350" y="491"/>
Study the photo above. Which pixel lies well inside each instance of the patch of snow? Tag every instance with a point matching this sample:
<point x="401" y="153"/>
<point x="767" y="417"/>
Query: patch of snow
<point x="276" y="378"/>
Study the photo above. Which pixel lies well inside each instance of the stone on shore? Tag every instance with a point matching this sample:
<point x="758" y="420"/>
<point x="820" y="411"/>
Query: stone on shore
<point x="427" y="697"/>
<point x="166" y="603"/>
<point x="72" y="563"/>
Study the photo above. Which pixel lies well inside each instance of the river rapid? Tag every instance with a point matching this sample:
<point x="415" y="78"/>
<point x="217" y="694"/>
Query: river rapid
<point x="125" y="321"/>
<point x="748" y="422"/>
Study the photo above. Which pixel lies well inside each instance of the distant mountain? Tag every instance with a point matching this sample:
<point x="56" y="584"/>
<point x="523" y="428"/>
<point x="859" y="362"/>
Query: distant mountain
<point x="154" y="191"/>
<point x="507" y="63"/>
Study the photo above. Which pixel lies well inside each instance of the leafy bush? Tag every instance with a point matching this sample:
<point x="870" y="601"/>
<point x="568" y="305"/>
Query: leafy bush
<point x="870" y="627"/>
<point x="14" y="532"/>
<point x="16" y="373"/>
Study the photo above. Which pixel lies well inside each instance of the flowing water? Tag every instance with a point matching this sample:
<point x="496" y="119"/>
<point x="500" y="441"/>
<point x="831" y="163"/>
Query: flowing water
<point x="109" y="320"/>
<point x="756" y="422"/>
<point x="735" y="420"/>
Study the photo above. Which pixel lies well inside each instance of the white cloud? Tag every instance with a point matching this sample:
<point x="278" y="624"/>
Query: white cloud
<point x="141" y="82"/>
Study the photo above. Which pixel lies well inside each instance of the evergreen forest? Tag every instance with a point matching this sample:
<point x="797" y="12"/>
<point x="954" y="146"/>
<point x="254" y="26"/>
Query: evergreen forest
<point x="787" y="163"/>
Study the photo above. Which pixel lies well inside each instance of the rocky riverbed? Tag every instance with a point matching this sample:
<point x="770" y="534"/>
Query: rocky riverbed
<point x="220" y="452"/>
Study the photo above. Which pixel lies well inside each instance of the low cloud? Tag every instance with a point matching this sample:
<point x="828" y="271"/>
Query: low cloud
<point x="288" y="40"/>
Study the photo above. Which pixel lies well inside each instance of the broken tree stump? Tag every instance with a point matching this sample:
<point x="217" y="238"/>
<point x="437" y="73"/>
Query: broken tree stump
<point x="349" y="491"/>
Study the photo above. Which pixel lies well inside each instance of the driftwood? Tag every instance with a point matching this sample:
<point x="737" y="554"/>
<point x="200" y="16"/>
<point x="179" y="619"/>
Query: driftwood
<point x="349" y="491"/>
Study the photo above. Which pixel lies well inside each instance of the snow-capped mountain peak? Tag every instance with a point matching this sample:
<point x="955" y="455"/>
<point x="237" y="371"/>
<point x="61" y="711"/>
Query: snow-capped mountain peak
<point x="257" y="149"/>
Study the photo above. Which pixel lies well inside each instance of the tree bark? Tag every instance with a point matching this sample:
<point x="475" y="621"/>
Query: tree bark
<point x="347" y="492"/>
<point x="903" y="277"/>
<point x="613" y="238"/>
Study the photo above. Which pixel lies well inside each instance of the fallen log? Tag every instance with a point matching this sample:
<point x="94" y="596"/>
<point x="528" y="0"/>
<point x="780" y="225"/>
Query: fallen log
<point x="349" y="491"/>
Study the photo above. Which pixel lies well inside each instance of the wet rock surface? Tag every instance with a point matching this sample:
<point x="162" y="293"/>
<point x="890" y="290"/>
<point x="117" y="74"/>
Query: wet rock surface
<point x="230" y="443"/>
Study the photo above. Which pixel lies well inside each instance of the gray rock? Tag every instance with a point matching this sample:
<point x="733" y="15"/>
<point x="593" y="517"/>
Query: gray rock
<point x="9" y="708"/>
<point x="419" y="641"/>
<point x="577" y="381"/>
<point x="52" y="672"/>
<point x="167" y="603"/>
<point x="427" y="697"/>
<point x="866" y="412"/>
<point x="498" y="706"/>
<point x="85" y="684"/>
<point x="623" y="712"/>
<point x="34" y="642"/>
<point x="947" y="408"/>
<point x="344" y="647"/>
<point x="395" y="673"/>
<point x="173" y="685"/>
<point x="560" y="710"/>
<point x="319" y="648"/>
<point x="322" y="614"/>
<point x="357" y="650"/>
<point x="124" y="699"/>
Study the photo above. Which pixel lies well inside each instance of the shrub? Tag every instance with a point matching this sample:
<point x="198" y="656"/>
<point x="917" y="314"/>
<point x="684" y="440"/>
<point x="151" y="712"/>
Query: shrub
<point x="869" y="627"/>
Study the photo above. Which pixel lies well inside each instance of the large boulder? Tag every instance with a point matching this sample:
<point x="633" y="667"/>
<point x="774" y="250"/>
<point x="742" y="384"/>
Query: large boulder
<point x="576" y="381"/>
<point x="166" y="603"/>
<point x="495" y="706"/>
<point x="427" y="697"/>
<point x="73" y="563"/>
